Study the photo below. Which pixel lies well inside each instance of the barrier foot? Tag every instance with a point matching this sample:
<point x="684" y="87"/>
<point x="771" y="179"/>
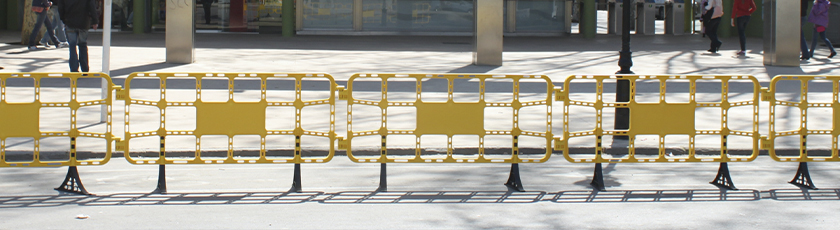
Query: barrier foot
<point x="598" y="179"/>
<point x="514" y="182"/>
<point x="723" y="179"/>
<point x="161" y="186"/>
<point x="296" y="185"/>
<point x="383" y="179"/>
<point x="72" y="183"/>
<point x="803" y="177"/>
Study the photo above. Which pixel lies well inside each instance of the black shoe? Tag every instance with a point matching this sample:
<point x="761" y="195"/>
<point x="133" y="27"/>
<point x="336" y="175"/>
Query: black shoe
<point x="832" y="54"/>
<point x="803" y="58"/>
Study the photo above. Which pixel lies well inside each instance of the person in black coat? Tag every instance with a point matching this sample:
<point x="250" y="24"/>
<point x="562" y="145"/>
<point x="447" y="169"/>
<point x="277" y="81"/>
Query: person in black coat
<point x="78" y="16"/>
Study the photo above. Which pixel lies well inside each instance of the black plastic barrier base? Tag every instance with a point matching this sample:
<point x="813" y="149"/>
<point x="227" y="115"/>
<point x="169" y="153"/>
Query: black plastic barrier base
<point x="514" y="182"/>
<point x="723" y="179"/>
<point x="296" y="185"/>
<point x="161" y="186"/>
<point x="72" y="183"/>
<point x="598" y="179"/>
<point x="383" y="178"/>
<point x="803" y="177"/>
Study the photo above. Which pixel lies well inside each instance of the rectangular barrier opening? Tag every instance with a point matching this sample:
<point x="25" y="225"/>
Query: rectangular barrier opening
<point x="498" y="146"/>
<point x="741" y="90"/>
<point x="647" y="90"/>
<point x="214" y="147"/>
<point x="279" y="146"/>
<point x="498" y="118"/>
<point x="54" y="119"/>
<point x="584" y="90"/>
<point x="145" y="118"/>
<point x="433" y="147"/>
<point x="180" y="118"/>
<point x="582" y="148"/>
<point x="465" y="146"/>
<point x="498" y="90"/>
<point x="91" y="148"/>
<point x="707" y="146"/>
<point x="180" y="147"/>
<point x="787" y="146"/>
<point x="613" y="148"/>
<point x="584" y="118"/>
<point x="787" y="118"/>
<point x="369" y="89"/>
<point x="533" y="118"/>
<point x="532" y="147"/>
<point x="707" y="118"/>
<point x="55" y="90"/>
<point x="677" y="147"/>
<point x="21" y="149"/>
<point x="820" y="91"/>
<point x="55" y="148"/>
<point x="215" y="89"/>
<point x="402" y="89"/>
<point x="435" y="90"/>
<point x="819" y="145"/>
<point x="89" y="89"/>
<point x="88" y="119"/>
<point x="180" y="89"/>
<point x="280" y="90"/>
<point x="402" y="118"/>
<point x="312" y="89"/>
<point x="820" y="118"/>
<point x="741" y="118"/>
<point x="315" y="118"/>
<point x="20" y="90"/>
<point x="144" y="148"/>
<point x="788" y="90"/>
<point x="280" y="118"/>
<point x="708" y="91"/>
<point x="145" y="88"/>
<point x="677" y="91"/>
<point x="315" y="146"/>
<point x="400" y="146"/>
<point x="247" y="89"/>
<point x="646" y="146"/>
<point x="740" y="146"/>
<point x="366" y="146"/>
<point x="365" y="118"/>
<point x="466" y="89"/>
<point x="248" y="146"/>
<point x="533" y="89"/>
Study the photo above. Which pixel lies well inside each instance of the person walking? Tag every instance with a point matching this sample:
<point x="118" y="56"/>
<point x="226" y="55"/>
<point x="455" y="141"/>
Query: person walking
<point x="803" y="45"/>
<point x="57" y="28"/>
<point x="819" y="16"/>
<point x="40" y="7"/>
<point x="714" y="11"/>
<point x="741" y="11"/>
<point x="79" y="16"/>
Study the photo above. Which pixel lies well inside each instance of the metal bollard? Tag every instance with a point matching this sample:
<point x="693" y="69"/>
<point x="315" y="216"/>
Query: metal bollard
<point x="646" y="11"/>
<point x="675" y="17"/>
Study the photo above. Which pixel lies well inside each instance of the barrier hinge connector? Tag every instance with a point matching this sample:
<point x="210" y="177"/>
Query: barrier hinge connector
<point x="559" y="95"/>
<point x="342" y="143"/>
<point x="119" y="144"/>
<point x="343" y="94"/>
<point x="765" y="143"/>
<point x="559" y="144"/>
<point x="120" y="93"/>
<point x="765" y="94"/>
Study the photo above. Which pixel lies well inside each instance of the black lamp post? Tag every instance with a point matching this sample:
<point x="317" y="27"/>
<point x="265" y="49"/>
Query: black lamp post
<point x="622" y="87"/>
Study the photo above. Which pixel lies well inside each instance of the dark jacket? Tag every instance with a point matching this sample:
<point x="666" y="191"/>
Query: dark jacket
<point x="78" y="14"/>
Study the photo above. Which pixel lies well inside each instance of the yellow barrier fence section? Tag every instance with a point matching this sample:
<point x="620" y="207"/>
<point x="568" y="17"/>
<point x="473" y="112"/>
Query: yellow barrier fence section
<point x="659" y="115"/>
<point x="229" y="111"/>
<point x="449" y="112"/>
<point x="810" y="117"/>
<point x="29" y="109"/>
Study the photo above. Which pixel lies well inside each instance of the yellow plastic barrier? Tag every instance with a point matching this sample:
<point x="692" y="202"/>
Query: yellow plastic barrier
<point x="229" y="118"/>
<point x="23" y="119"/>
<point x="446" y="117"/>
<point x="806" y="107"/>
<point x="659" y="118"/>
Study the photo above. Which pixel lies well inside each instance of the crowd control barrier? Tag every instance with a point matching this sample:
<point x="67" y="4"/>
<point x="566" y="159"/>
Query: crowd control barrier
<point x="458" y="111"/>
<point x="227" y="116"/>
<point x="21" y="113"/>
<point x="816" y="105"/>
<point x="660" y="118"/>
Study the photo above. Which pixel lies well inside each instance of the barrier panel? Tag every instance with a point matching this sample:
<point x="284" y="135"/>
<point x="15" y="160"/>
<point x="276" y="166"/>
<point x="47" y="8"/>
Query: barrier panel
<point x="447" y="108"/>
<point x="812" y="118"/>
<point x="30" y="103"/>
<point x="232" y="110"/>
<point x="658" y="118"/>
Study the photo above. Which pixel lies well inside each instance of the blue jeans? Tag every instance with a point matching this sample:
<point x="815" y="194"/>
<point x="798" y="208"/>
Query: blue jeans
<point x="78" y="38"/>
<point x="814" y="41"/>
<point x="40" y="20"/>
<point x="803" y="45"/>
<point x="741" y="23"/>
<point x="57" y="26"/>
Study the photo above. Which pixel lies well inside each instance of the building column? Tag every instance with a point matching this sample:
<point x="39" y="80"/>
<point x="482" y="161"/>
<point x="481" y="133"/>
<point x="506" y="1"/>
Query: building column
<point x="489" y="31"/>
<point x="180" y="32"/>
<point x="780" y="33"/>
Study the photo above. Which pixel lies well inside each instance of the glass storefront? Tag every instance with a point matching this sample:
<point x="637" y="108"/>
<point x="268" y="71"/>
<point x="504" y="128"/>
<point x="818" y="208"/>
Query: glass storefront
<point x="418" y="15"/>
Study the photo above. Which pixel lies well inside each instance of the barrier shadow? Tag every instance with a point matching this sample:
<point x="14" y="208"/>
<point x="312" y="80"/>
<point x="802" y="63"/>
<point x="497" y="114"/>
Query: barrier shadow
<point x="160" y="199"/>
<point x="804" y="194"/>
<point x="435" y="197"/>
<point x="594" y="196"/>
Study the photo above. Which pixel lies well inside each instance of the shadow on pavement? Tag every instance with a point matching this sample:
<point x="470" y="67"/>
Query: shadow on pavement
<point x="594" y="196"/>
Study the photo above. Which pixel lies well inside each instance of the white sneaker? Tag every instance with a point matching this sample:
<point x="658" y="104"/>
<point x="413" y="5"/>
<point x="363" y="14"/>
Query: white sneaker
<point x="33" y="48"/>
<point x="63" y="45"/>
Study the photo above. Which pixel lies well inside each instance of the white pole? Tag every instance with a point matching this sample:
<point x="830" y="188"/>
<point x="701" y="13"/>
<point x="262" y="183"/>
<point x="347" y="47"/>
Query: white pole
<point x="106" y="56"/>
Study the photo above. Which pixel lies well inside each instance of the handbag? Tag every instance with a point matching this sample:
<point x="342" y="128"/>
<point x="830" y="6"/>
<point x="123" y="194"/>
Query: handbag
<point x="38" y="9"/>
